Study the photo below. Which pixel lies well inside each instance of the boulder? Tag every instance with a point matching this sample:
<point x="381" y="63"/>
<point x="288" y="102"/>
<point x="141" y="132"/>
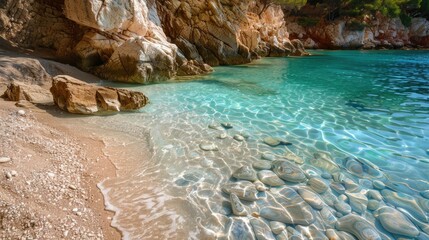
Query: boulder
<point x="17" y="91"/>
<point x="76" y="96"/>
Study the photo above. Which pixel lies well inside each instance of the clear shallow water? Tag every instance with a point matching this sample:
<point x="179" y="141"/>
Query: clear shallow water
<point x="373" y="106"/>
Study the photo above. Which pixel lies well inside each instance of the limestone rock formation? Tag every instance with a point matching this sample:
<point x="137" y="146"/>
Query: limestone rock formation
<point x="75" y="96"/>
<point x="374" y="32"/>
<point x="17" y="91"/>
<point x="146" y="40"/>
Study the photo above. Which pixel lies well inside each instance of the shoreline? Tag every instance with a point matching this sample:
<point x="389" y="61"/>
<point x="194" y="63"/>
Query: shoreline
<point x="75" y="208"/>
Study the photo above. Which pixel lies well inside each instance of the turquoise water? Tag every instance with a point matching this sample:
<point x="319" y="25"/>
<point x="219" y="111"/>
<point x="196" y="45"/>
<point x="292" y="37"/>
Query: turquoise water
<point x="369" y="105"/>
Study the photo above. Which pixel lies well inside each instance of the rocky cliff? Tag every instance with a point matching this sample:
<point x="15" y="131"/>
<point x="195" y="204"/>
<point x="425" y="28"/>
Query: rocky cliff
<point x="147" y="40"/>
<point x="368" y="33"/>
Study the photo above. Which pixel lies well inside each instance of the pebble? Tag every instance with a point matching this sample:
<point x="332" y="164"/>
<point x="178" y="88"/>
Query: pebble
<point x="378" y="184"/>
<point x="311" y="232"/>
<point x="215" y="126"/>
<point x="244" y="190"/>
<point x="343" y="197"/>
<point x="332" y="234"/>
<point x="325" y="162"/>
<point x="318" y="185"/>
<point x="300" y="213"/>
<point x="261" y="229"/>
<point x="358" y="226"/>
<point x="358" y="202"/>
<point x="289" y="171"/>
<point x="395" y="222"/>
<point x="277" y="227"/>
<point x="13" y="173"/>
<point x="236" y="205"/>
<point x="21" y="112"/>
<point x="273" y="142"/>
<point x="354" y="166"/>
<point x="338" y="187"/>
<point x="8" y="175"/>
<point x="326" y="175"/>
<point x="72" y="187"/>
<point x="343" y="207"/>
<point x="406" y="202"/>
<point x="425" y="194"/>
<point x="373" y="204"/>
<point x="311" y="198"/>
<point x="238" y="228"/>
<point x="5" y="159"/>
<point x="283" y="235"/>
<point x="260" y="186"/>
<point x="373" y="194"/>
<point x="226" y="125"/>
<point x="50" y="174"/>
<point x="209" y="147"/>
<point x="350" y="185"/>
<point x="268" y="156"/>
<point x="338" y="177"/>
<point x="270" y="178"/>
<point x="293" y="157"/>
<point x="245" y="173"/>
<point x="328" y="217"/>
<point x="262" y="164"/>
<point x="222" y="136"/>
<point x="238" y="138"/>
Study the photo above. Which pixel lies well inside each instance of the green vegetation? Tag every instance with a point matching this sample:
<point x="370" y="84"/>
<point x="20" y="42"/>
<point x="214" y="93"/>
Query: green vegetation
<point x="308" y="21"/>
<point x="332" y="9"/>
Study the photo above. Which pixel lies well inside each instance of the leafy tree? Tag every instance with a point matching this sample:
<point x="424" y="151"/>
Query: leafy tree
<point x="292" y="4"/>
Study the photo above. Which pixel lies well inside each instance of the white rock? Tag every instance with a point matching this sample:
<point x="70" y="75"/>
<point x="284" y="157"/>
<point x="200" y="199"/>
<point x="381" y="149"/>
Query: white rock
<point x="21" y="112"/>
<point x="5" y="159"/>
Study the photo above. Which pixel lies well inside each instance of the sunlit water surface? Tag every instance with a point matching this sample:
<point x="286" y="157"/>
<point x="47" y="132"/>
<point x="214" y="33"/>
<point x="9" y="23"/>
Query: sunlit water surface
<point x="371" y="105"/>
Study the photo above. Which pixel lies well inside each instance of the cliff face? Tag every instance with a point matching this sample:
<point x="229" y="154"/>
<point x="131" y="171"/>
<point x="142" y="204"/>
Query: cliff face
<point x="147" y="40"/>
<point x="375" y="33"/>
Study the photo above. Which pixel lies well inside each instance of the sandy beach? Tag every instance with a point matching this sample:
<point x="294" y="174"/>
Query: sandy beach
<point x="48" y="187"/>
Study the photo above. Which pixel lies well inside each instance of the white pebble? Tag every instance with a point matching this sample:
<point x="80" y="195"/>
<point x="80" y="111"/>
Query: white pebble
<point x="21" y="112"/>
<point x="13" y="173"/>
<point x="4" y="159"/>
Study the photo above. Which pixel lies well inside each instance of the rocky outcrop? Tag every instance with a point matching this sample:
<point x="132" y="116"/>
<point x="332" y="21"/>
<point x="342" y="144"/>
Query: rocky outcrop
<point x="17" y="91"/>
<point x="75" y="96"/>
<point x="146" y="40"/>
<point x="368" y="33"/>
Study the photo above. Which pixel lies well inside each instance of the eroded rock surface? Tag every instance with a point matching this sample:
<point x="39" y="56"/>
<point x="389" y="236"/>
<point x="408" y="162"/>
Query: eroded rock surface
<point x="75" y="96"/>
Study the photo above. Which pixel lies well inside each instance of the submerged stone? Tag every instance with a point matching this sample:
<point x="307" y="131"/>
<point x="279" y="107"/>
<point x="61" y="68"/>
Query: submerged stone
<point x="300" y="213"/>
<point x="293" y="157"/>
<point x="270" y="178"/>
<point x="277" y="227"/>
<point x="318" y="185"/>
<point x="425" y="194"/>
<point x="260" y="186"/>
<point x="283" y="235"/>
<point x="262" y="164"/>
<point x="244" y="190"/>
<point x="343" y="207"/>
<point x="236" y="205"/>
<point x="268" y="156"/>
<point x="226" y="125"/>
<point x="338" y="187"/>
<point x="378" y="184"/>
<point x="332" y="234"/>
<point x="311" y="198"/>
<point x="358" y="202"/>
<point x="373" y="194"/>
<point x="273" y="142"/>
<point x="354" y="166"/>
<point x="238" y="229"/>
<point x="215" y="126"/>
<point x="311" y="232"/>
<point x="395" y="222"/>
<point x="328" y="217"/>
<point x="358" y="226"/>
<point x="406" y="202"/>
<point x="289" y="171"/>
<point x="222" y="136"/>
<point x="238" y="137"/>
<point x="209" y="147"/>
<point x="261" y="229"/>
<point x="373" y="204"/>
<point x="325" y="162"/>
<point x="245" y="173"/>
